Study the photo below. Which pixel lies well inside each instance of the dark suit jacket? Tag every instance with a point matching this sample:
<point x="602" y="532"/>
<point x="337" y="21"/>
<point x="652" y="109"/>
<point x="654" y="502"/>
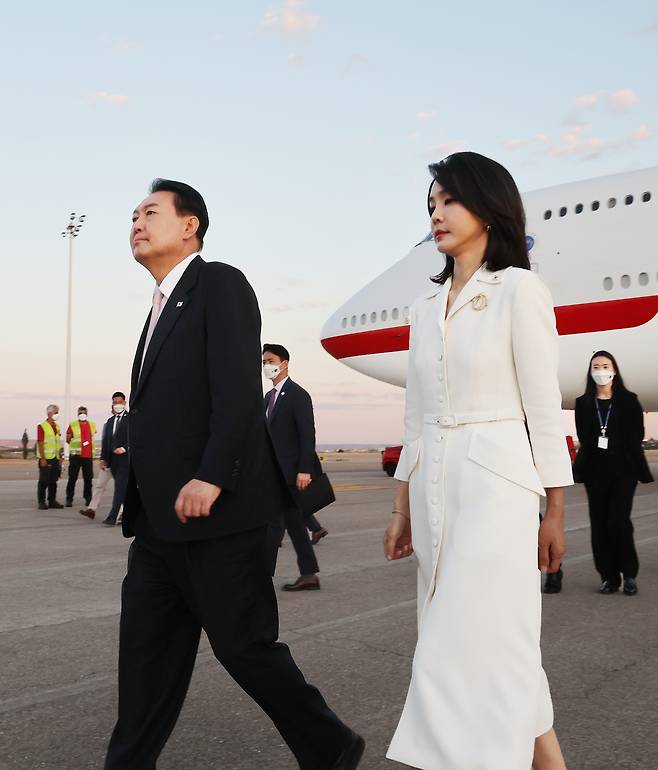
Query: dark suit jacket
<point x="292" y="428"/>
<point x="111" y="441"/>
<point x="196" y="410"/>
<point x="626" y="431"/>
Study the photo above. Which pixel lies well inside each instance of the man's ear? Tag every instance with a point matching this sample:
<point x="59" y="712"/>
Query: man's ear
<point x="191" y="227"/>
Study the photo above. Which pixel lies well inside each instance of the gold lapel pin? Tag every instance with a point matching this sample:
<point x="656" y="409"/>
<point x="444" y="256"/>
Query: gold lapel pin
<point x="479" y="302"/>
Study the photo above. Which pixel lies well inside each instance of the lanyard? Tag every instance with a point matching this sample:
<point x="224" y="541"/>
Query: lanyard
<point x="604" y="426"/>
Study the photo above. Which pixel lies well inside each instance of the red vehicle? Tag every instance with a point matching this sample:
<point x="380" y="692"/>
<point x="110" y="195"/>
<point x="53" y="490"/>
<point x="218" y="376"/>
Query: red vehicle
<point x="391" y="456"/>
<point x="390" y="459"/>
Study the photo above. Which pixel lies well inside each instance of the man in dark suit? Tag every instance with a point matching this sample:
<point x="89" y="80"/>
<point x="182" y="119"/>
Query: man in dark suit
<point x="202" y="485"/>
<point x="115" y="453"/>
<point x="289" y="417"/>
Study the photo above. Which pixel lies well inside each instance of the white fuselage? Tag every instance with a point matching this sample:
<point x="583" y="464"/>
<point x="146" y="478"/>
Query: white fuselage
<point x="600" y="263"/>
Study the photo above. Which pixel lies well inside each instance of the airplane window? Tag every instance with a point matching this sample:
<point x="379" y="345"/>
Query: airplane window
<point x="373" y="317"/>
<point x="353" y="320"/>
<point x="579" y="208"/>
<point x="628" y="200"/>
<point x="625" y="281"/>
<point x="405" y="313"/>
<point x="563" y="211"/>
<point x="643" y="279"/>
<point x="344" y="323"/>
<point x="384" y="315"/>
<point x="548" y="214"/>
<point x="646" y="197"/>
<point x="595" y="205"/>
<point x="612" y="202"/>
<point x="363" y="319"/>
<point x="607" y="283"/>
<point x="395" y="314"/>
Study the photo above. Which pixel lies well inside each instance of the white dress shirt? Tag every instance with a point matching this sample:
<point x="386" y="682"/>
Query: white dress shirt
<point x="172" y="278"/>
<point x="273" y="399"/>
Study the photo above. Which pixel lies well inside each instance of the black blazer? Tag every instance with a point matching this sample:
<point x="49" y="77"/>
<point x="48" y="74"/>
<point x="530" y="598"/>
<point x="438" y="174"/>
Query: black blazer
<point x="111" y="441"/>
<point x="292" y="429"/>
<point x="626" y="431"/>
<point x="196" y="410"/>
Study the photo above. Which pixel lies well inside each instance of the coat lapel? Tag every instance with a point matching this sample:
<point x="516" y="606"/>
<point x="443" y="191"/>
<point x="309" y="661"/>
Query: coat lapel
<point x="478" y="284"/>
<point x="280" y="397"/>
<point x="175" y="306"/>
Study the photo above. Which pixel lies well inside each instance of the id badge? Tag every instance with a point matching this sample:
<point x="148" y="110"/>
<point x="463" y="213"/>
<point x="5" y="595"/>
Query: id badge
<point x="85" y="443"/>
<point x="603" y="442"/>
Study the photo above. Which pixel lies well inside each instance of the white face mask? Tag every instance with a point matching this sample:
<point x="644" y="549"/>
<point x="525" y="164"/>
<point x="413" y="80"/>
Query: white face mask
<point x="118" y="408"/>
<point x="271" y="371"/>
<point x="602" y="377"/>
<point x="55" y="416"/>
<point x="82" y="417"/>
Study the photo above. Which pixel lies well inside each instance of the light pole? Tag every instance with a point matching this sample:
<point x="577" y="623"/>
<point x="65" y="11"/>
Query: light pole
<point x="71" y="231"/>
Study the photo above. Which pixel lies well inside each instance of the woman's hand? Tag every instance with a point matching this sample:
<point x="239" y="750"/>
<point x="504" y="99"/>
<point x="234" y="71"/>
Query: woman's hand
<point x="552" y="546"/>
<point x="397" y="538"/>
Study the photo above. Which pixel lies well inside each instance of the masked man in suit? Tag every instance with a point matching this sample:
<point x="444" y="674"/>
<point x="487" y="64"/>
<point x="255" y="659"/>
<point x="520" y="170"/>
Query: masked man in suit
<point x="114" y="453"/>
<point x="202" y="487"/>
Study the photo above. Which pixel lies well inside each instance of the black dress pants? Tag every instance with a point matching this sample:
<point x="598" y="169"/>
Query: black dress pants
<point x="48" y="478"/>
<point x="293" y="521"/>
<point x="120" y="469"/>
<point x="610" y="497"/>
<point x="223" y="586"/>
<point x="76" y="464"/>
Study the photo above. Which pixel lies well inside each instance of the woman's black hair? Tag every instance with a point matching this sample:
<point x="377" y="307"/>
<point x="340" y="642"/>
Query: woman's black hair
<point x="618" y="385"/>
<point x="487" y="190"/>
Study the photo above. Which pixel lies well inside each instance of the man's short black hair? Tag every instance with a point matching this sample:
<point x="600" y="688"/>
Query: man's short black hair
<point x="81" y="408"/>
<point x="277" y="350"/>
<point x="119" y="394"/>
<point x="187" y="202"/>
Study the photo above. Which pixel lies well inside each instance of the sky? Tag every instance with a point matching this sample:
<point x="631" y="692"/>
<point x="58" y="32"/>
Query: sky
<point x="307" y="125"/>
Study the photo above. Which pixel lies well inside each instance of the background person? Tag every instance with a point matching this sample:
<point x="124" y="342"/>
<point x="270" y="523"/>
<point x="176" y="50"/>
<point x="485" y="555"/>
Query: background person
<point x="49" y="457"/>
<point x="611" y="461"/>
<point x="80" y="438"/>
<point x="115" y="455"/>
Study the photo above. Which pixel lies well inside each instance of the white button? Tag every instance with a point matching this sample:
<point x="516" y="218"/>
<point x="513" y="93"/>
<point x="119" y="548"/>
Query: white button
<point x="441" y="357"/>
<point x="436" y="459"/>
<point x="435" y="542"/>
<point x="441" y="399"/>
<point x="440" y="378"/>
<point x="435" y="480"/>
<point x="434" y="501"/>
<point x="435" y="522"/>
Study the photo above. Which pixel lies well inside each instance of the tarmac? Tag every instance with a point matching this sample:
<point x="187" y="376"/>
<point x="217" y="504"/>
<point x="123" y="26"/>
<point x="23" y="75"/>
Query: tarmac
<point x="60" y="579"/>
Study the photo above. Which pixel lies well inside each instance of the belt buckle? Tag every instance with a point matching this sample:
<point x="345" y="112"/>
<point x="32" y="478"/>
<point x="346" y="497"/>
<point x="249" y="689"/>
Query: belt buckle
<point x="447" y="421"/>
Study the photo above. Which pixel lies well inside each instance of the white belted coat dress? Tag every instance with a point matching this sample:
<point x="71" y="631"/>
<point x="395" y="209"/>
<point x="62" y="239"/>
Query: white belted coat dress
<point x="484" y="436"/>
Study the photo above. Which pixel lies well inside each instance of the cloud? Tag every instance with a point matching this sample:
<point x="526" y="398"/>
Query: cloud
<point x="296" y="59"/>
<point x="574" y="145"/>
<point x="290" y="19"/>
<point x="588" y="100"/>
<point x="541" y="137"/>
<point x="425" y="115"/>
<point x="118" y="100"/>
<point x="622" y="101"/>
<point x="446" y="148"/>
<point x="640" y="134"/>
<point x="516" y="144"/>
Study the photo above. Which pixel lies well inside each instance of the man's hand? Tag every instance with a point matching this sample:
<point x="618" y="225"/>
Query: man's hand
<point x="195" y="499"/>
<point x="119" y="451"/>
<point x="103" y="465"/>
<point x="303" y="480"/>
<point x="43" y="463"/>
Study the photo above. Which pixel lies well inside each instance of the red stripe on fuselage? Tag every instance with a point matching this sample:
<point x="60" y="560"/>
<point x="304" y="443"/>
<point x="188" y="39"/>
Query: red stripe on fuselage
<point x="571" y="319"/>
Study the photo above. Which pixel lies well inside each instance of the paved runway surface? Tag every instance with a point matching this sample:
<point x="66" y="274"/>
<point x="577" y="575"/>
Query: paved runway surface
<point x="60" y="576"/>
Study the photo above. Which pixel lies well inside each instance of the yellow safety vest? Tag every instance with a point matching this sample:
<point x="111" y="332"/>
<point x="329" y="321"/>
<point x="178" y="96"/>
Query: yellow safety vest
<point x="75" y="445"/>
<point x="52" y="442"/>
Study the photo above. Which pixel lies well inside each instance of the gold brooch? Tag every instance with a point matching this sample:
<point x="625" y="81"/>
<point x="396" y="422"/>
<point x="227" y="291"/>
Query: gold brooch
<point x="479" y="302"/>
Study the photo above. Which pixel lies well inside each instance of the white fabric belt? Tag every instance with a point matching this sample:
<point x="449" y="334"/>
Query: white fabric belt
<point x="463" y="418"/>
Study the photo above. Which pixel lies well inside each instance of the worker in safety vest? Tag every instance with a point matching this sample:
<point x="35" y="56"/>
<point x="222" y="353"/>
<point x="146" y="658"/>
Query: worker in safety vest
<point x="80" y="438"/>
<point x="49" y="454"/>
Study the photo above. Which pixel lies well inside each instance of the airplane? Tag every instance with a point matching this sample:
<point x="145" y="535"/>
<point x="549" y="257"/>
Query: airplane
<point x="594" y="243"/>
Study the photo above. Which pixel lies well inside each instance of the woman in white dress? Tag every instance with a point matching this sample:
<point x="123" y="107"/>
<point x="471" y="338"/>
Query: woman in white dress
<point x="484" y="438"/>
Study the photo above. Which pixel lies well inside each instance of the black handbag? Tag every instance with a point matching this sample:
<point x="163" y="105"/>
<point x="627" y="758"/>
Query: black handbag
<point x="317" y="495"/>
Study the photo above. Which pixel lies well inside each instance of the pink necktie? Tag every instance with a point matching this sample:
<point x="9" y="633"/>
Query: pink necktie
<point x="158" y="296"/>
<point x="270" y="406"/>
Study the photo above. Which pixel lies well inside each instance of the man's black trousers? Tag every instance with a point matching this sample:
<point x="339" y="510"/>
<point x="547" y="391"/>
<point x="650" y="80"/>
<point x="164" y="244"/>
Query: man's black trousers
<point x="48" y="477"/>
<point x="77" y="463"/>
<point x="223" y="586"/>
<point x="120" y="468"/>
<point x="293" y="521"/>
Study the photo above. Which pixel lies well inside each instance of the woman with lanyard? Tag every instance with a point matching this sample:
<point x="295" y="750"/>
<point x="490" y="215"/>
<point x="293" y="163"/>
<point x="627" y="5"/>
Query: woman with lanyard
<point x="610" y="461"/>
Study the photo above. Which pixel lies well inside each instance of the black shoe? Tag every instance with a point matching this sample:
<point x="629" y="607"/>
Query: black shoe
<point x="351" y="757"/>
<point x="630" y="586"/>
<point x="69" y="503"/>
<point x="55" y="504"/>
<point x="303" y="583"/>
<point x="553" y="582"/>
<point x="42" y="507"/>
<point x="607" y="587"/>
<point x="109" y="522"/>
